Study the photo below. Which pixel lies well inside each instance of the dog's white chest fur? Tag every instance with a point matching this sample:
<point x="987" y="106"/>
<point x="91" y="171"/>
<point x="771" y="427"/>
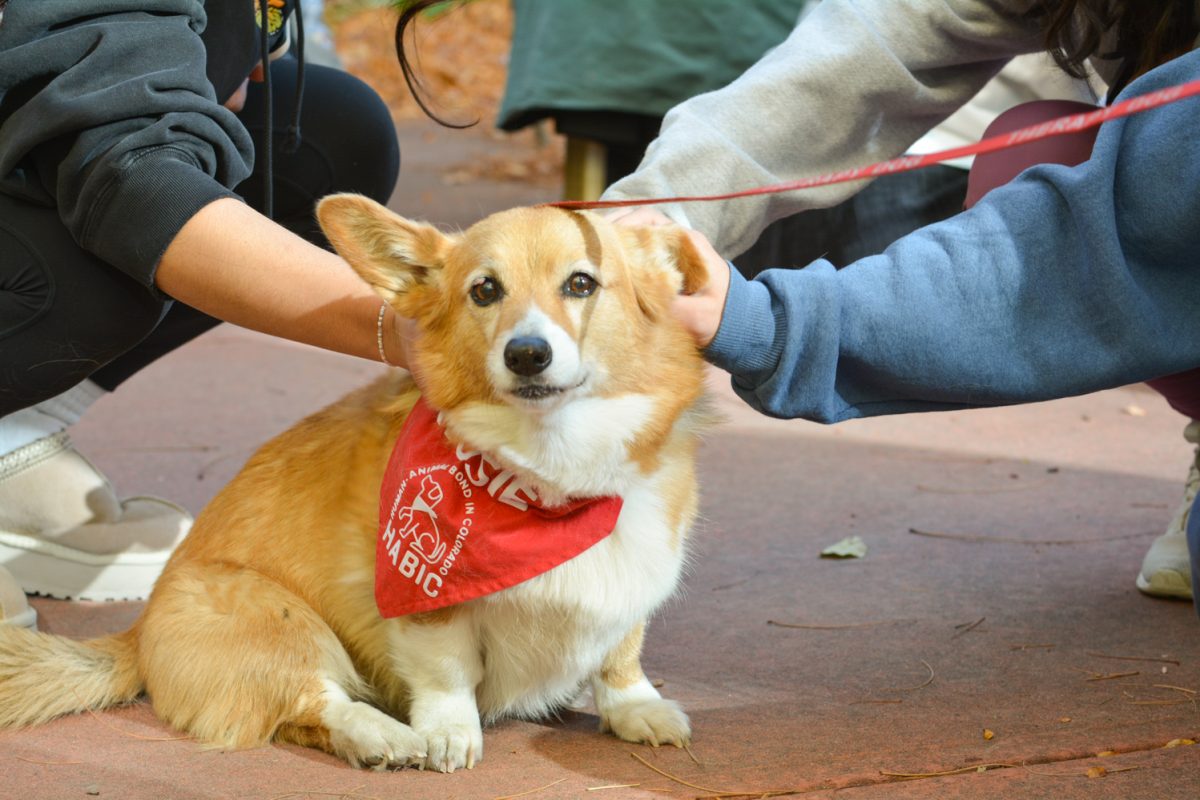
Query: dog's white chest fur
<point x="542" y="638"/>
<point x="576" y="450"/>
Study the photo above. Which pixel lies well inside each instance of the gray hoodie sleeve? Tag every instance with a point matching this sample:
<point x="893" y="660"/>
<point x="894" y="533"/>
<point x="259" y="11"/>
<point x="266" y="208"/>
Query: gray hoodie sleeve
<point x="858" y="81"/>
<point x="106" y="112"/>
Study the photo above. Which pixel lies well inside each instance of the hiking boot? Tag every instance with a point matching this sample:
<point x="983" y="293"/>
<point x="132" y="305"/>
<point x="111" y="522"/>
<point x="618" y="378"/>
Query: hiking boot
<point x="1167" y="568"/>
<point x="65" y="533"/>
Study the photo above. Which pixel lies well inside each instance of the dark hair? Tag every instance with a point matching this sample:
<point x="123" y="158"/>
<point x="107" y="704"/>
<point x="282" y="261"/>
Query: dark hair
<point x="409" y="11"/>
<point x="1148" y="32"/>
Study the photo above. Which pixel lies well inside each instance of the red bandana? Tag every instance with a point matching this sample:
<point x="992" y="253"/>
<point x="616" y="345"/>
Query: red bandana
<point x="454" y="525"/>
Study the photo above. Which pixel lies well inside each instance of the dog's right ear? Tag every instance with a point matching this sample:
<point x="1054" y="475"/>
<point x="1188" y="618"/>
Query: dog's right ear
<point x="391" y="253"/>
<point x="664" y="253"/>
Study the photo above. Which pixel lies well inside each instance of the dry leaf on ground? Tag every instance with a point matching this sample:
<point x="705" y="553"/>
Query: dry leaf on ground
<point x="850" y="547"/>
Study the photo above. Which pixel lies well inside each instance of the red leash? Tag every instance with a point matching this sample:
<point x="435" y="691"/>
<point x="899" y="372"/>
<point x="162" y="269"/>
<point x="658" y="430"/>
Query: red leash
<point x="1055" y="127"/>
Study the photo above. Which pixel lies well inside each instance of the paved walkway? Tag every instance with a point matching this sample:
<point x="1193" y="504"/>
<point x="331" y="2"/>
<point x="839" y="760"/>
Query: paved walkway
<point x="1014" y="613"/>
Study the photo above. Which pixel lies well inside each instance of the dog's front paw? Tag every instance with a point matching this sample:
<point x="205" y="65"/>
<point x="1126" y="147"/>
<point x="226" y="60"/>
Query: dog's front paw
<point x="652" y="721"/>
<point x="451" y="747"/>
<point x="367" y="737"/>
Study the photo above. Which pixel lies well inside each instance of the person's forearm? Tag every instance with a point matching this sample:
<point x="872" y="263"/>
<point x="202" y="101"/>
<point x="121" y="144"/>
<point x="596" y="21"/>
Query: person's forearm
<point x="235" y="264"/>
<point x="1065" y="281"/>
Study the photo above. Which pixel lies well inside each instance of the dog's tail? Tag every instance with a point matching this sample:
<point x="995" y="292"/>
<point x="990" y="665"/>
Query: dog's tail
<point x="44" y="676"/>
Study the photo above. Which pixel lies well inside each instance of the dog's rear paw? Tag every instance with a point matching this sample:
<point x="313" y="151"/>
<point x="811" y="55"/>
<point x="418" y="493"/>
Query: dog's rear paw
<point x="367" y="737"/>
<point x="654" y="722"/>
<point x="452" y="747"/>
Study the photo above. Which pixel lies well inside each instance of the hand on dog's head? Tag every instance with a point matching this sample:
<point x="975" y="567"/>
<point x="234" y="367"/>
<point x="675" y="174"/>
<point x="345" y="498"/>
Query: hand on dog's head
<point x="577" y="291"/>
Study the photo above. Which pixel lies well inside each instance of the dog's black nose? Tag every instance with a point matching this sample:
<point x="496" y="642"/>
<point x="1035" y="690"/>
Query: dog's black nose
<point x="527" y="355"/>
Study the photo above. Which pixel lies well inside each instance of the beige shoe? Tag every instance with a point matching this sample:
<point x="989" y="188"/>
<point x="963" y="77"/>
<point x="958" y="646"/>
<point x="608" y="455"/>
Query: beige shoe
<point x="64" y="533"/>
<point x="1167" y="568"/>
<point x="14" y="608"/>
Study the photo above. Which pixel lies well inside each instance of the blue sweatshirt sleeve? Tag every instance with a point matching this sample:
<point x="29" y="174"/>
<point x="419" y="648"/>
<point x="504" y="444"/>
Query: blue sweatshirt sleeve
<point x="1065" y="281"/>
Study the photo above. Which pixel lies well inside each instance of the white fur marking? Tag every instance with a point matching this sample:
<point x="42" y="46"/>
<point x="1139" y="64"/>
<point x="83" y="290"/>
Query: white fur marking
<point x="639" y="714"/>
<point x="565" y="369"/>
<point x="441" y="665"/>
<point x="546" y="636"/>
<point x="451" y="728"/>
<point x="577" y="449"/>
<point x="365" y="736"/>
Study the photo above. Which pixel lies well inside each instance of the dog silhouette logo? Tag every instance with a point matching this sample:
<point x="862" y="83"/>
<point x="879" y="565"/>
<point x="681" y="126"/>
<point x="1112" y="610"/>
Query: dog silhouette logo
<point x="417" y="522"/>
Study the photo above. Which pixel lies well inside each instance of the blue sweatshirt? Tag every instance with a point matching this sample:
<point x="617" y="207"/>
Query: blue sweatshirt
<point x="1063" y="282"/>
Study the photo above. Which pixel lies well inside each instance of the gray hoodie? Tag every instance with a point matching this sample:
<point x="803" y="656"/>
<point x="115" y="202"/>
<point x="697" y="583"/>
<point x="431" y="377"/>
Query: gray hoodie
<point x="855" y="83"/>
<point x="109" y="112"/>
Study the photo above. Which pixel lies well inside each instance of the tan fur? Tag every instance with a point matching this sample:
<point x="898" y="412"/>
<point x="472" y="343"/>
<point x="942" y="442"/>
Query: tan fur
<point x="91" y="675"/>
<point x="622" y="667"/>
<point x="263" y="626"/>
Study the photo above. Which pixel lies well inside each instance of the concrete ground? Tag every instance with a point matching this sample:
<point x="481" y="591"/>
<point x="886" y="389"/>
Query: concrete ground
<point x="991" y="643"/>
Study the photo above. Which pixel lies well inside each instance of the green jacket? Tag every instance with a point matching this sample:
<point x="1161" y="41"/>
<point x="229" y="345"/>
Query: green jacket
<point x="633" y="56"/>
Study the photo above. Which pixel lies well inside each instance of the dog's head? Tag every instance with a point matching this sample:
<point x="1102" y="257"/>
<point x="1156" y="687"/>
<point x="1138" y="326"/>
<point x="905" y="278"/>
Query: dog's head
<point x="533" y="307"/>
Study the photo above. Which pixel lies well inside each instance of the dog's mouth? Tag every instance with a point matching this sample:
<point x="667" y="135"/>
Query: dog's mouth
<point x="536" y="392"/>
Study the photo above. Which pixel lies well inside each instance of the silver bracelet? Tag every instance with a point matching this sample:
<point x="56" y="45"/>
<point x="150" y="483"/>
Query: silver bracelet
<point x="379" y="335"/>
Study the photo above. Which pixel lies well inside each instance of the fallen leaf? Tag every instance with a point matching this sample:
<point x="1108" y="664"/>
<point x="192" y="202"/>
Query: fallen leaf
<point x="1105" y="753"/>
<point x="1064" y="720"/>
<point x="1096" y="772"/>
<point x="850" y="547"/>
<point x="1179" y="743"/>
<point x="988" y="735"/>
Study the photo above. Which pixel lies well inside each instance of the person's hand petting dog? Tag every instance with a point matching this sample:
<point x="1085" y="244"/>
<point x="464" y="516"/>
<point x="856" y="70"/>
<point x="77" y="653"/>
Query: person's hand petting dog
<point x="700" y="312"/>
<point x="399" y="341"/>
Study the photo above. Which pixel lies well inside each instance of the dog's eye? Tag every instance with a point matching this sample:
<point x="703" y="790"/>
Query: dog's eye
<point x="486" y="291"/>
<point x="580" y="285"/>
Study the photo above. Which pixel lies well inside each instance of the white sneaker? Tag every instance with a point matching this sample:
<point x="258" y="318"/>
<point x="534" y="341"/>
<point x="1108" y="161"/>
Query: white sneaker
<point x="1167" y="568"/>
<point x="66" y="534"/>
<point x="14" y="608"/>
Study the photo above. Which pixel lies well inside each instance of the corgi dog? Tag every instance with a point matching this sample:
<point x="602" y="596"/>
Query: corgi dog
<point x="547" y="349"/>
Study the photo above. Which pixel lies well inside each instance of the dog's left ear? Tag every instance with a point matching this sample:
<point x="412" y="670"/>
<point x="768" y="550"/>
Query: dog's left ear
<point x="667" y="254"/>
<point x="391" y="253"/>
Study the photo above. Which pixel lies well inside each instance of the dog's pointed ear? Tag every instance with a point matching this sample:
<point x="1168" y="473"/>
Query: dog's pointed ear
<point x="690" y="263"/>
<point x="663" y="253"/>
<point x="391" y="253"/>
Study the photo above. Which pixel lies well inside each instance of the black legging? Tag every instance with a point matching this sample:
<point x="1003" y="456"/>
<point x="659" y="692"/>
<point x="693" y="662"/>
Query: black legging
<point x="65" y="315"/>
